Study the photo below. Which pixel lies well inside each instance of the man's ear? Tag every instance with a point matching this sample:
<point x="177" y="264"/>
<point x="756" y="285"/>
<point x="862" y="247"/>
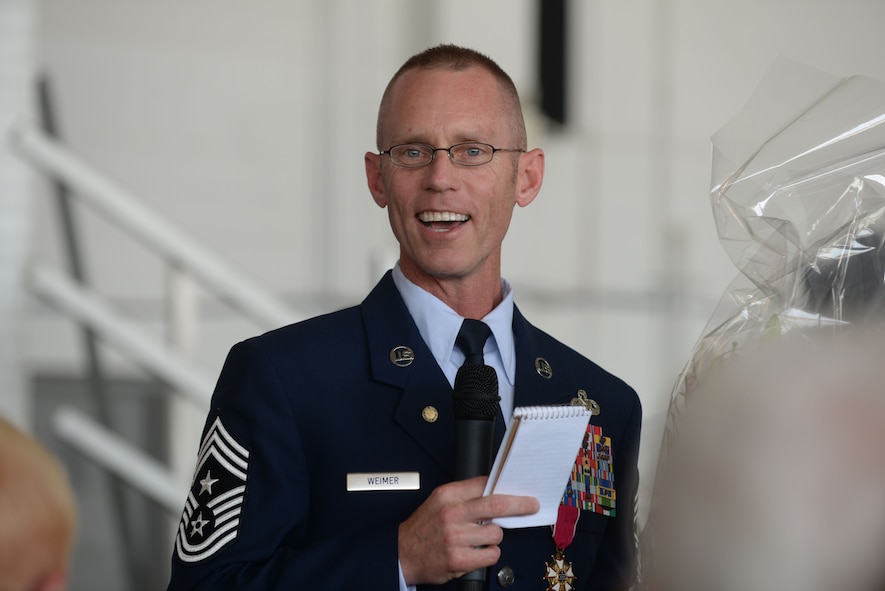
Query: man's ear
<point x="373" y="178"/>
<point x="529" y="176"/>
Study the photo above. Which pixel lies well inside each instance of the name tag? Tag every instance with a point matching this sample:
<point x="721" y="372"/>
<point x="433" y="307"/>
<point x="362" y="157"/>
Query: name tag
<point x="358" y="481"/>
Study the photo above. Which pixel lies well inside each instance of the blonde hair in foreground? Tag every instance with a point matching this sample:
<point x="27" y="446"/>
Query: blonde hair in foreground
<point x="37" y="515"/>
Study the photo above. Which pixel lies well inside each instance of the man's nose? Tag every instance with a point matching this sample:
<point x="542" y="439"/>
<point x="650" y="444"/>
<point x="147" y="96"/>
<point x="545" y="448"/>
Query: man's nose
<point x="441" y="174"/>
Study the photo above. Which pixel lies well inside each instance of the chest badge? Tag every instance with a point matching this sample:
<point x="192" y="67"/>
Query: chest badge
<point x="402" y="356"/>
<point x="582" y="400"/>
<point x="543" y="367"/>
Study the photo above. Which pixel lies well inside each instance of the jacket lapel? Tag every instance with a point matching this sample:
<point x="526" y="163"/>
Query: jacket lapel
<point x="400" y="358"/>
<point x="532" y="388"/>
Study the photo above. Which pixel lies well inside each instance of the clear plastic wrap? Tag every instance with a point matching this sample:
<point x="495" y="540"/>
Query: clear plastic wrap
<point x="798" y="197"/>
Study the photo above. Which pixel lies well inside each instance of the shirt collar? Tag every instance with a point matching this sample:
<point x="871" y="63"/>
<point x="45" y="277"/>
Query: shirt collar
<point x="439" y="324"/>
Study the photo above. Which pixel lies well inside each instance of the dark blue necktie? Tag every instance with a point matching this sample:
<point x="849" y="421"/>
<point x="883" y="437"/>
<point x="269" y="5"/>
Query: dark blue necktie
<point x="471" y="339"/>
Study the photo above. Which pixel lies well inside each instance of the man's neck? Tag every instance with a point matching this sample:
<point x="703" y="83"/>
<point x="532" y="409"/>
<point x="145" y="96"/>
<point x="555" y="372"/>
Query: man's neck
<point x="470" y="297"/>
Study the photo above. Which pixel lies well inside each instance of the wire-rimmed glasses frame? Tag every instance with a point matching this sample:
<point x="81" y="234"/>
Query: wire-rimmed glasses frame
<point x="416" y="155"/>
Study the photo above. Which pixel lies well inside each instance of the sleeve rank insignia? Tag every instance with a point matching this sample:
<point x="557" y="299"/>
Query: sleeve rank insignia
<point x="211" y="516"/>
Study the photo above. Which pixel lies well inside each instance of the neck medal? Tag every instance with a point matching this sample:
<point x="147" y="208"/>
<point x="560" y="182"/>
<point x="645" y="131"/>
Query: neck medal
<point x="560" y="576"/>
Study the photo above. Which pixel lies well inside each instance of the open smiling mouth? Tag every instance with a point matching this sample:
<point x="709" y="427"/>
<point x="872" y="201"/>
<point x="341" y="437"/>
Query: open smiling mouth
<point x="442" y="220"/>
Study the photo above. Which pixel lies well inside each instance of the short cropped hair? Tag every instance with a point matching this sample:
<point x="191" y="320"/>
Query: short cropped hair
<point x="456" y="58"/>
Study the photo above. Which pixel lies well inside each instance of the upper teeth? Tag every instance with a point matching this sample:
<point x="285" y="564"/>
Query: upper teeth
<point x="442" y="216"/>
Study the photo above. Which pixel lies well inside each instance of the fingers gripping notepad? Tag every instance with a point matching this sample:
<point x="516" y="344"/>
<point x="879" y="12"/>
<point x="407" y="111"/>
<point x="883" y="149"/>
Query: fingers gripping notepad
<point x="536" y="459"/>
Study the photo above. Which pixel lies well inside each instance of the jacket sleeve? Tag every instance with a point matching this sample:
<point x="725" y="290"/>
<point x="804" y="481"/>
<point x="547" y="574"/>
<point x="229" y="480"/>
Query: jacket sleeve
<point x="247" y="519"/>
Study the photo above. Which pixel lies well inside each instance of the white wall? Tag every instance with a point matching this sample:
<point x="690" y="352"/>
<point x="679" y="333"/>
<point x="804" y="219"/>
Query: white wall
<point x="16" y="41"/>
<point x="245" y="124"/>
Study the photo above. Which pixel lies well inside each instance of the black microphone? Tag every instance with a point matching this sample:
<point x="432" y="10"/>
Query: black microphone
<point x="477" y="405"/>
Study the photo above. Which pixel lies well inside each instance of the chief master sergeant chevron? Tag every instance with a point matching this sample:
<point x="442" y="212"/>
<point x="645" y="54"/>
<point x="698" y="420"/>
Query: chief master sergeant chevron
<point x="290" y="495"/>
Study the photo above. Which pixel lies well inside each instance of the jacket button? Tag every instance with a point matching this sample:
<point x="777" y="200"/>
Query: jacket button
<point x="506" y="578"/>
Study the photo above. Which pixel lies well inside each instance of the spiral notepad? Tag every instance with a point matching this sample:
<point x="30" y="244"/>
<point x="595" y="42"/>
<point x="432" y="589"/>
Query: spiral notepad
<point x="536" y="458"/>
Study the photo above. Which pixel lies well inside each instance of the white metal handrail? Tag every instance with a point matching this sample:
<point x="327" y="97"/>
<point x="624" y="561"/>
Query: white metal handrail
<point x="128" y="212"/>
<point x="89" y="310"/>
<point x="120" y="457"/>
<point x="185" y="256"/>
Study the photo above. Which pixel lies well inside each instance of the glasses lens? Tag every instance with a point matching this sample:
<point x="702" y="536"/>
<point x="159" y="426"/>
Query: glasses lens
<point x="411" y="155"/>
<point x="472" y="154"/>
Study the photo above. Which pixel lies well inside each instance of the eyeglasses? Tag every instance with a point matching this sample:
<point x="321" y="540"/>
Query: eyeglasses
<point x="466" y="154"/>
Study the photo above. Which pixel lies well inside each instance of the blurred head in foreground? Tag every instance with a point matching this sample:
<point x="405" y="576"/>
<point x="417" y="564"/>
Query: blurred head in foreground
<point x="771" y="474"/>
<point x="776" y="476"/>
<point x="37" y="515"/>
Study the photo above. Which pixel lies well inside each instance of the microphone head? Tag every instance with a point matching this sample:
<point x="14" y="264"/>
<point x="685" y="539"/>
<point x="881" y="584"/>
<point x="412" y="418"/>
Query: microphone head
<point x="475" y="395"/>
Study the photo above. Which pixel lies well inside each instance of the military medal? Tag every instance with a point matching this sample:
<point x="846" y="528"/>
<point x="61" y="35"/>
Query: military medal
<point x="560" y="575"/>
<point x="592" y="483"/>
<point x="590" y="488"/>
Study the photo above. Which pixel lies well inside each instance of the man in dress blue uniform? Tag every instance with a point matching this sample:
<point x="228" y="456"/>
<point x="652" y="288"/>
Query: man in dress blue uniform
<point x="328" y="456"/>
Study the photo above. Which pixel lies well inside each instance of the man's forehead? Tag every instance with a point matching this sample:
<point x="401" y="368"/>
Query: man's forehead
<point x="466" y="101"/>
<point x="419" y="77"/>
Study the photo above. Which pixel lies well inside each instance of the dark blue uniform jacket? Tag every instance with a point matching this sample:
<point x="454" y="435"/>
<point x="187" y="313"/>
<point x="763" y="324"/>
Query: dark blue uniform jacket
<point x="297" y="409"/>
